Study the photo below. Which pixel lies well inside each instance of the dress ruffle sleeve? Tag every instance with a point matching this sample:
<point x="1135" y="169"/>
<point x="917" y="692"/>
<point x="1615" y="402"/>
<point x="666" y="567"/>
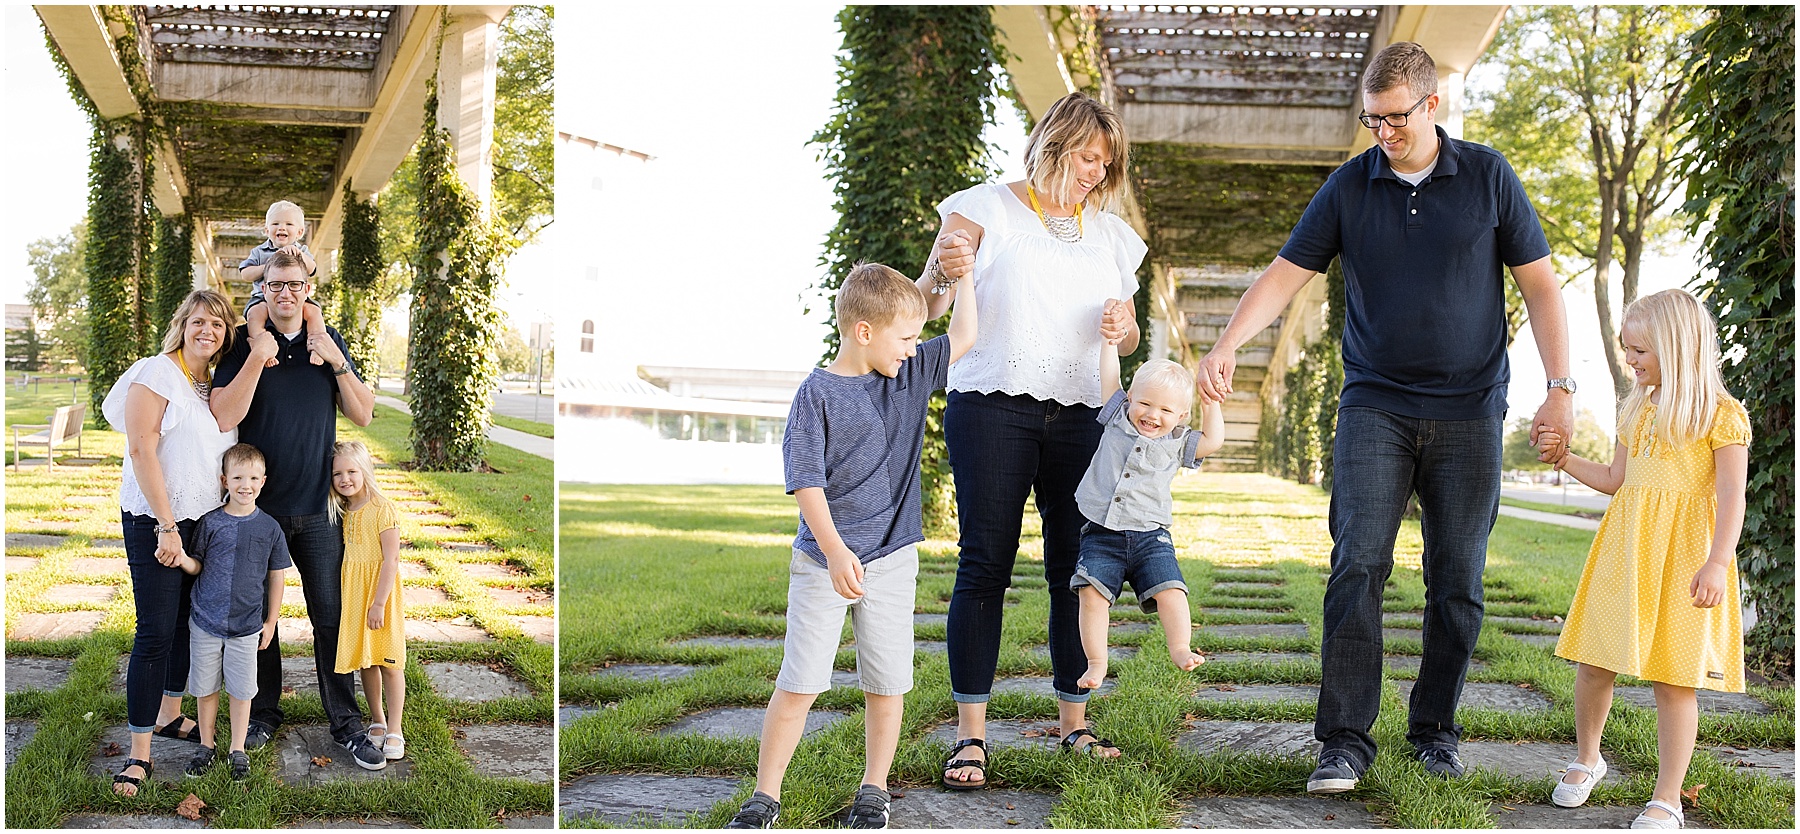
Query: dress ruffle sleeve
<point x="1731" y="425"/>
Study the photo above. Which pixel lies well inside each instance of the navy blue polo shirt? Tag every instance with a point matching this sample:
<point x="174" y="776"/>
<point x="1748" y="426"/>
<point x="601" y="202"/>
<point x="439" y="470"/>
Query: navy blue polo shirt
<point x="1425" y="302"/>
<point x="292" y="420"/>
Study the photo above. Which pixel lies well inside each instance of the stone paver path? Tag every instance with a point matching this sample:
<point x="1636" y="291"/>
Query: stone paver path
<point x="299" y="749"/>
<point x="646" y="671"/>
<point x="508" y="751"/>
<point x="19" y="733"/>
<point x="44" y="674"/>
<point x="354" y="822"/>
<point x="473" y="682"/>
<point x="29" y="626"/>
<point x="80" y="594"/>
<point x="445" y="631"/>
<point x="167" y="756"/>
<point x="634" y="799"/>
<point x="1523" y="815"/>
<point x="20" y="564"/>
<point x="1007" y="734"/>
<point x="1260" y="693"/>
<point x="1506" y="697"/>
<point x="1530" y="759"/>
<point x="27" y="541"/>
<point x="130" y="821"/>
<point x="729" y="642"/>
<point x="742" y="722"/>
<point x="1285" y="630"/>
<point x="1274" y="812"/>
<point x="539" y="629"/>
<point x="1774" y="764"/>
<point x="991" y="808"/>
<point x="1272" y="738"/>
<point x="100" y="566"/>
<point x="1710" y="701"/>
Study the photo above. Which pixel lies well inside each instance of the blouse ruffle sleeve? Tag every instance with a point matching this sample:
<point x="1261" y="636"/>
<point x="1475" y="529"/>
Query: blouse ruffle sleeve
<point x="1731" y="425"/>
<point x="980" y="204"/>
<point x="1128" y="253"/>
<point x="155" y="373"/>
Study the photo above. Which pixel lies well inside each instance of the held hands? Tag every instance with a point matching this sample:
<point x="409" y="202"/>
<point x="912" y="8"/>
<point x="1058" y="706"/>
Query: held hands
<point x="169" y="552"/>
<point x="322" y="345"/>
<point x="262" y="348"/>
<point x="956" y="254"/>
<point x="377" y="615"/>
<point x="1708" y="587"/>
<point x="846" y="574"/>
<point x="1553" y="449"/>
<point x="1115" y="321"/>
<point x="1213" y="379"/>
<point x="1556" y="415"/>
<point x="268" y="634"/>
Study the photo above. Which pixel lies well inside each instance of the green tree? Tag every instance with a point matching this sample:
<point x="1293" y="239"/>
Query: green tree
<point x="1740" y="109"/>
<point x="1586" y="115"/>
<point x="58" y="293"/>
<point x="25" y="349"/>
<point x="1590" y="441"/>
<point x="916" y="85"/>
<point x="525" y="123"/>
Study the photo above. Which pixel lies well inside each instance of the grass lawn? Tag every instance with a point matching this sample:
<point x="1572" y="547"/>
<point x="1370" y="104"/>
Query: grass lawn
<point x="1559" y="509"/>
<point x="644" y="565"/>
<point x="508" y="513"/>
<point x="524" y="425"/>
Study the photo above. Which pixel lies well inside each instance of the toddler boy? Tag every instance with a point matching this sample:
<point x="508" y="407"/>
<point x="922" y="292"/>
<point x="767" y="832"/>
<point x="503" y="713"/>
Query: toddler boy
<point x="285" y="224"/>
<point x="1125" y="497"/>
<point x="240" y="556"/>
<point x="852" y="458"/>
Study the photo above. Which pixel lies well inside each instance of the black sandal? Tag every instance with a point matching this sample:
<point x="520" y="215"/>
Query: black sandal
<point x="173" y="730"/>
<point x="954" y="763"/>
<point x="1068" y="743"/>
<point x="135" y="781"/>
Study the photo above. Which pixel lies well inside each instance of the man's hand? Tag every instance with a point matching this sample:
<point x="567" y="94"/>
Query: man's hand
<point x="1552" y="448"/>
<point x="1557" y="415"/>
<point x="377" y="614"/>
<point x="262" y="348"/>
<point x="268" y="633"/>
<point x="1213" y="379"/>
<point x="1115" y="321"/>
<point x="1708" y="587"/>
<point x="956" y="254"/>
<point x="326" y="347"/>
<point x="846" y="574"/>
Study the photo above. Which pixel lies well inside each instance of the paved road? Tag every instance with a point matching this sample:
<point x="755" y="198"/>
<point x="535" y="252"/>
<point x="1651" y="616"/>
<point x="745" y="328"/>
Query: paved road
<point x="1574" y="495"/>
<point x="525" y="406"/>
<point x="543" y="447"/>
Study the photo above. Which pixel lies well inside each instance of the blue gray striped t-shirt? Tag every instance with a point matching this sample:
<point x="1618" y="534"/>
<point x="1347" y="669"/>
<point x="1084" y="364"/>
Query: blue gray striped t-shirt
<point x="859" y="438"/>
<point x="236" y="554"/>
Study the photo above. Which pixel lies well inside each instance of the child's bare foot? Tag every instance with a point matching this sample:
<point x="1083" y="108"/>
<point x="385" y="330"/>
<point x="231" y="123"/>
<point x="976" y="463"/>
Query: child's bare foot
<point x="1095" y="674"/>
<point x="313" y="357"/>
<point x="1186" y="659"/>
<point x="315" y="323"/>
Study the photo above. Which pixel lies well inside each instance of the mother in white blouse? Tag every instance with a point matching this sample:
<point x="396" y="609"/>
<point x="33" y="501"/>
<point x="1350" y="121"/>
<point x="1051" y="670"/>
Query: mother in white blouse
<point x="172" y="450"/>
<point x="1055" y="272"/>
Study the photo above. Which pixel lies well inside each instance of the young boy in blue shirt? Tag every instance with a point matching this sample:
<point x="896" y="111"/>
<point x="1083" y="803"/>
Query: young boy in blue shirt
<point x="852" y="458"/>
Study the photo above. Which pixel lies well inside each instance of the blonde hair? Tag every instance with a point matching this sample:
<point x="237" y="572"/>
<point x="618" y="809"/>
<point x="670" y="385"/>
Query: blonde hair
<point x="282" y="207"/>
<point x="361" y="459"/>
<point x="1398" y="64"/>
<point x="213" y="304"/>
<point x="1067" y="127"/>
<point x="1686" y="342"/>
<point x="879" y="295"/>
<point x="1168" y="375"/>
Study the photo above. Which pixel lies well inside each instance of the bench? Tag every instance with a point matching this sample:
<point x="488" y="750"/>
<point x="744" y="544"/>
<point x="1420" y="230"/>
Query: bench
<point x="64" y="425"/>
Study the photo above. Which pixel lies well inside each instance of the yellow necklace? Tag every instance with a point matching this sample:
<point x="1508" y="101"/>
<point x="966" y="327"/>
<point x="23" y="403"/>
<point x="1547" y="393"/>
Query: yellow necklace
<point x="204" y="389"/>
<point x="1060" y="231"/>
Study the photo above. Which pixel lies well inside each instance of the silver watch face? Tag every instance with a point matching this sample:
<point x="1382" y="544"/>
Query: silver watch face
<point x="1566" y="384"/>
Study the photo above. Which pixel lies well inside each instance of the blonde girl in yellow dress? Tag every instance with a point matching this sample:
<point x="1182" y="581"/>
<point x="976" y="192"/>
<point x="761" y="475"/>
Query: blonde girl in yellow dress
<point x="1658" y="599"/>
<point x="371" y="637"/>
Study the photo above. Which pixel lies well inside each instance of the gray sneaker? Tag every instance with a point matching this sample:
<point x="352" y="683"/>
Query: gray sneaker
<point x="870" y="808"/>
<point x="759" y="811"/>
<point x="1335" y="774"/>
<point x="1441" y="762"/>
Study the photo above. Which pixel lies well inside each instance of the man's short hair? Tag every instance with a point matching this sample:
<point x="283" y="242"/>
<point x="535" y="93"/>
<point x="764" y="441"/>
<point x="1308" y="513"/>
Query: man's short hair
<point x="1401" y="63"/>
<point x="282" y="207"/>
<point x="241" y="453"/>
<point x="1166" y="374"/>
<point x="283" y="260"/>
<point x="879" y="295"/>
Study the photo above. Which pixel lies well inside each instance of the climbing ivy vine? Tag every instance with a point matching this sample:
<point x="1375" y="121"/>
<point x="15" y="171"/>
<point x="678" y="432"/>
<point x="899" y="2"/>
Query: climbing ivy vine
<point x="916" y="86"/>
<point x="359" y="271"/>
<point x="1740" y="113"/>
<point x="174" y="254"/>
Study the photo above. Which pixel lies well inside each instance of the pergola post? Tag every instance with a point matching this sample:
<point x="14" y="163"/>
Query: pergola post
<point x="467" y="71"/>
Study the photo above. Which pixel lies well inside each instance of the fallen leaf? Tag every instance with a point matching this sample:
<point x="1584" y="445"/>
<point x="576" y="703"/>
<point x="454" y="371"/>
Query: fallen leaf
<point x="1190" y="717"/>
<point x="1033" y="733"/>
<point x="1009" y="806"/>
<point x="896" y="795"/>
<point x="1508" y="808"/>
<point x="500" y="814"/>
<point x="1225" y="687"/>
<point x="320" y="761"/>
<point x="528" y="498"/>
<point x="1692" y="795"/>
<point x="190" y="807"/>
<point x="1012" y="822"/>
<point x="1331" y="816"/>
<point x="287" y="690"/>
<point x="1558" y="618"/>
<point x="1523" y="685"/>
<point x="1055" y="732"/>
<point x="112" y="749"/>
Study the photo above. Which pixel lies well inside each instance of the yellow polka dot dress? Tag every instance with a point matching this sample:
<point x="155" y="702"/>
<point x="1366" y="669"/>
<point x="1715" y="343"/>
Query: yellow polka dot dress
<point x="1632" y="612"/>
<point x="359" y="647"/>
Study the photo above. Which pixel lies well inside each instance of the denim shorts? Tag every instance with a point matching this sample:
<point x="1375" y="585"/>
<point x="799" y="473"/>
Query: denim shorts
<point x="1145" y="558"/>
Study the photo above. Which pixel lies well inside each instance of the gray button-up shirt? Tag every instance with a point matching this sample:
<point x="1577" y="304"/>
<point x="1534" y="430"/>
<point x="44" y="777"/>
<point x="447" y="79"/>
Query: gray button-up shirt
<point x="1127" y="484"/>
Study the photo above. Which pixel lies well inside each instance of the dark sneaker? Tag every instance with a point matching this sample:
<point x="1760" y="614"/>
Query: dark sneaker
<point x="240" y="765"/>
<point x="870" y="809"/>
<point x="1442" y="762"/>
<point x="366" y="755"/>
<point x="1335" y="774"/>
<point x="759" y="811"/>
<point x="202" y="762"/>
<point x="257" y="736"/>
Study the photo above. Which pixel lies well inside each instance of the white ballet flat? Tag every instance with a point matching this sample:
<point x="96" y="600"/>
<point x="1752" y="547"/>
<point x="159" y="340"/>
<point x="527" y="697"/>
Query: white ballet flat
<point x="1644" y="820"/>
<point x="376" y="738"/>
<point x="1574" y="795"/>
<point x="395" y="748"/>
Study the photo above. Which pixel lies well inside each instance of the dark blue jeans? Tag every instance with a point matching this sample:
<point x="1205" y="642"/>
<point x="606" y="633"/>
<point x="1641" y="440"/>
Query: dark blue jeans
<point x="1380" y="460"/>
<point x="1003" y="448"/>
<point x="317" y="547"/>
<point x="159" y="649"/>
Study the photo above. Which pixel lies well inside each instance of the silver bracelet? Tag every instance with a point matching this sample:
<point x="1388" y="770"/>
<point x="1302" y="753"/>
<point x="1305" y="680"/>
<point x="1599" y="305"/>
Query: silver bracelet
<point x="941" y="284"/>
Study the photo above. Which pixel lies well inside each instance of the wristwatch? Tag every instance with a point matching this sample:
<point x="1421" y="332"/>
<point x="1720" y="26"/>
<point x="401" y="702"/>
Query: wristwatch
<point x="1566" y="383"/>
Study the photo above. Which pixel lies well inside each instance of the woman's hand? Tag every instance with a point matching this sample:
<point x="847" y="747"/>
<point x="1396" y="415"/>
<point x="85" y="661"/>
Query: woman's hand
<point x="1115" y="321"/>
<point x="168" y="549"/>
<point x="956" y="254"/>
<point x="1708" y="587"/>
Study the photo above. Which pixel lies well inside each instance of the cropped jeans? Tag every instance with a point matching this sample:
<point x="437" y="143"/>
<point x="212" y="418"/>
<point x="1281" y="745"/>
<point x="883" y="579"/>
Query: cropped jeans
<point x="1380" y="460"/>
<point x="1003" y="448"/>
<point x="316" y="545"/>
<point x="162" y="598"/>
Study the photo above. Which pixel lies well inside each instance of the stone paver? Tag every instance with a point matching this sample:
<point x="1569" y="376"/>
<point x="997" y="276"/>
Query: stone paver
<point x="1525" y="624"/>
<point x="1260" y="693"/>
<point x="1505" y="697"/>
<point x="167" y="755"/>
<point x="539" y="629"/>
<point x="133" y="821"/>
<point x="529" y="821"/>
<point x="845" y="679"/>
<point x="467" y="547"/>
<point x="1544" y="641"/>
<point x="729" y="642"/>
<point x="410" y="569"/>
<point x="420" y="596"/>
<point x="21" y="541"/>
<point x="24" y="674"/>
<point x="1042" y="686"/>
<point x="1710" y="701"/>
<point x="99" y="566"/>
<point x="300" y="630"/>
<point x="1774" y="764"/>
<point x="1216" y="611"/>
<point x="1126" y="629"/>
<point x="459" y="630"/>
<point x="353" y="822"/>
<point x="637" y="799"/>
<point x="571" y="713"/>
<point x="1531" y="759"/>
<point x="928" y="647"/>
<point x="1112" y="652"/>
<point x="1296" y="630"/>
<point x="1273" y="738"/>
<point x="521" y="597"/>
<point x="1006" y="734"/>
<point x="473" y="682"/>
<point x="1246" y="588"/>
<point x="508" y="751"/>
<point x="435" y="530"/>
<point x="931" y="619"/>
<point x="19" y="732"/>
<point x="20" y="564"/>
<point x="109" y="544"/>
<point x="1262" y="657"/>
<point x="81" y="594"/>
<point x="298" y="749"/>
<point x="1524" y="815"/>
<point x="742" y="722"/>
<point x="1409" y="664"/>
<point x="646" y="671"/>
<point x="971" y="809"/>
<point x="1285" y="812"/>
<point x="54" y="626"/>
<point x="1414" y="635"/>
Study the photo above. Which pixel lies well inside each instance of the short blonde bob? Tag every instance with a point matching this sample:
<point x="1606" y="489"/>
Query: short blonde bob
<point x="1069" y="125"/>
<point x="201" y="301"/>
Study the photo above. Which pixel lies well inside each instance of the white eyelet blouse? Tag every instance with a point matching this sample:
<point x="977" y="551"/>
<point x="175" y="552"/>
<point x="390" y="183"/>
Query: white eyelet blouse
<point x="190" y="443"/>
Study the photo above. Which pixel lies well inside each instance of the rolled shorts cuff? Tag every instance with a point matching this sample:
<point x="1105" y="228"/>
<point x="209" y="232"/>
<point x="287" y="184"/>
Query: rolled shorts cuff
<point x="1084" y="579"/>
<point x="1144" y="597"/>
<point x="786" y="685"/>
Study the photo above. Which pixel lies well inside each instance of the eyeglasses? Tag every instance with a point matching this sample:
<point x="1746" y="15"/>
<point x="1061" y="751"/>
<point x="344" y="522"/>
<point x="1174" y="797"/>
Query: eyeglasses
<point x="1393" y="119"/>
<point x="273" y="287"/>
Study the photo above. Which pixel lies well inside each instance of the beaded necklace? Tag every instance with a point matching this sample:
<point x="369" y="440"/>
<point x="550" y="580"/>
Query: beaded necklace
<point x="1065" y="229"/>
<point x="204" y="389"/>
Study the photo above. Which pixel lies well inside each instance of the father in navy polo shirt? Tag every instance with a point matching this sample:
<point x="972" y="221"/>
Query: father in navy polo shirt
<point x="1423" y="225"/>
<point x="289" y="412"/>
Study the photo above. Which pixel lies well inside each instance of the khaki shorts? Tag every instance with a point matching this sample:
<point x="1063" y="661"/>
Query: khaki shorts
<point x="211" y="657"/>
<point x="882" y="621"/>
